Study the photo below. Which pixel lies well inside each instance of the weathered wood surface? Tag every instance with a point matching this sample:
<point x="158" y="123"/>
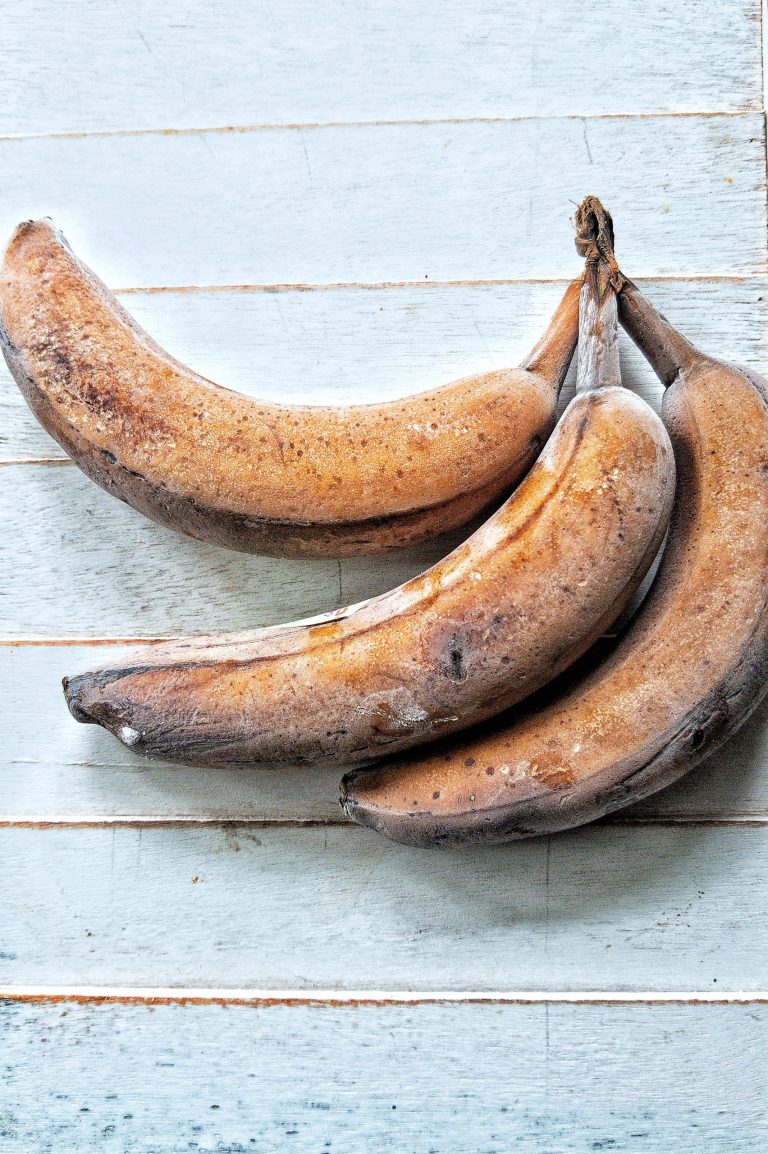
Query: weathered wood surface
<point x="645" y="907"/>
<point x="54" y="770"/>
<point x="468" y="200"/>
<point x="610" y="908"/>
<point x="427" y="1080"/>
<point x="80" y="564"/>
<point x="146" y="581"/>
<point x="97" y="65"/>
<point x="352" y="345"/>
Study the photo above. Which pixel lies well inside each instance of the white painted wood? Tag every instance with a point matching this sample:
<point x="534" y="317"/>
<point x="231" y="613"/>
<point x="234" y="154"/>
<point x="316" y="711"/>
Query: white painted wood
<point x="80" y="564"/>
<point x="427" y="1080"/>
<point x="619" y="907"/>
<point x="333" y="346"/>
<point x="96" y="65"/>
<point x="764" y="44"/>
<point x="52" y="769"/>
<point x="50" y="765"/>
<point x="405" y="202"/>
<point x="351" y="345"/>
<point x="85" y="565"/>
<point x="647" y="908"/>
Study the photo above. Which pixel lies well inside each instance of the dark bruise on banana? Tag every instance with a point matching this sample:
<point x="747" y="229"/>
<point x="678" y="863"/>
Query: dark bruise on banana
<point x="495" y="620"/>
<point x="288" y="480"/>
<point x="688" y="672"/>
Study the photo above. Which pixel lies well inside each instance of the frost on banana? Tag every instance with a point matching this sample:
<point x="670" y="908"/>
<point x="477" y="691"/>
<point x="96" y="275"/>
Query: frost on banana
<point x="690" y="669"/>
<point x="290" y="480"/>
<point x="496" y="619"/>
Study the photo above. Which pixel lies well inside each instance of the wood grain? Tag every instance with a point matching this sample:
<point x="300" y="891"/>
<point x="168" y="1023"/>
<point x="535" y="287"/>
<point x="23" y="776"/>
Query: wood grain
<point x="472" y="200"/>
<point x="354" y="344"/>
<point x="650" y="909"/>
<point x="144" y="581"/>
<point x="182" y="66"/>
<point x="428" y="1079"/>
<point x="80" y="564"/>
<point x="54" y="770"/>
<point x="614" y="908"/>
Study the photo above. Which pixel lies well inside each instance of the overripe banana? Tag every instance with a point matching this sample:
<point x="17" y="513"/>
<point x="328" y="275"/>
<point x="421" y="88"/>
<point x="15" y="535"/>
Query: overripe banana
<point x="688" y="672"/>
<point x="506" y="611"/>
<point x="290" y="480"/>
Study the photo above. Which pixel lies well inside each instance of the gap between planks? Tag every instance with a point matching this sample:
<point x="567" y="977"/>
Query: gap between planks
<point x="18" y="642"/>
<point x="362" y="286"/>
<point x="424" y="283"/>
<point x="406" y="122"/>
<point x="181" y="821"/>
<point x="164" y="995"/>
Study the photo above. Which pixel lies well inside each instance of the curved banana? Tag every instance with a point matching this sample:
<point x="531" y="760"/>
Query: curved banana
<point x="291" y="480"/>
<point x="501" y="615"/>
<point x="688" y="672"/>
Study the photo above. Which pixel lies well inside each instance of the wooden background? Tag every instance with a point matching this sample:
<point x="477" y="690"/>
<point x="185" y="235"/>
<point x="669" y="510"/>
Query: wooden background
<point x="351" y="201"/>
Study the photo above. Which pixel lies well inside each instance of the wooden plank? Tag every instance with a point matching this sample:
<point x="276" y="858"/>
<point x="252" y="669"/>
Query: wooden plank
<point x="353" y="344"/>
<point x="50" y="765"/>
<point x="339" y="345"/>
<point x="145" y="581"/>
<point x="428" y="1079"/>
<point x="614" y="908"/>
<point x="297" y="61"/>
<point x="651" y="908"/>
<point x="54" y="770"/>
<point x="136" y="562"/>
<point x="397" y="202"/>
<point x="105" y="571"/>
<point x="764" y="46"/>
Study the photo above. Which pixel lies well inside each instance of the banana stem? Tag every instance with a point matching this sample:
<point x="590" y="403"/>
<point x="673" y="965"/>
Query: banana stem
<point x="598" y="366"/>
<point x="552" y="356"/>
<point x="666" y="350"/>
<point x="668" y="353"/>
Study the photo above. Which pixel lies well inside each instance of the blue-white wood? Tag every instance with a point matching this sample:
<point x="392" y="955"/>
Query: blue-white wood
<point x="349" y="345"/>
<point x="127" y="1079"/>
<point x="93" y="64"/>
<point x="646" y="907"/>
<point x="470" y="200"/>
<point x="143" y="580"/>
<point x="79" y="564"/>
<point x="609" y="908"/>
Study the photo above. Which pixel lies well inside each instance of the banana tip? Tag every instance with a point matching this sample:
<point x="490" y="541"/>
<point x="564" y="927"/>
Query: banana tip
<point x="351" y="805"/>
<point x="74" y="688"/>
<point x="89" y="701"/>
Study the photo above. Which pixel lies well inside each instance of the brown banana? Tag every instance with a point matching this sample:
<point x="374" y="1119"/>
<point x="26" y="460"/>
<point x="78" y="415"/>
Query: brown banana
<point x="505" y="612"/>
<point x="690" y="669"/>
<point x="290" y="480"/>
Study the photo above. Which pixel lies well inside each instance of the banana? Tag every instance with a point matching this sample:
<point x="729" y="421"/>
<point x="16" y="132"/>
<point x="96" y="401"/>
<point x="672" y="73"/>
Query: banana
<point x="497" y="618"/>
<point x="287" y="480"/>
<point x="690" y="669"/>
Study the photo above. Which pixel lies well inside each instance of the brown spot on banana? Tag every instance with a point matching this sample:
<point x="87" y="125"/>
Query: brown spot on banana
<point x="482" y="629"/>
<point x="687" y="673"/>
<point x="291" y="480"/>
